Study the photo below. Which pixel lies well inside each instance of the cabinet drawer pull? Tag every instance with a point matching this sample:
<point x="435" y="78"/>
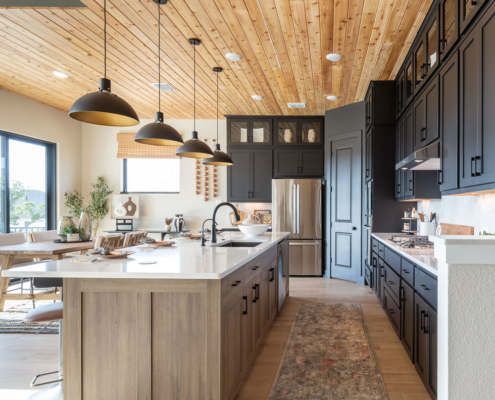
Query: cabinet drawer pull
<point x="476" y="166"/>
<point x="405" y="271"/>
<point x="439" y="177"/>
<point x="390" y="282"/>
<point x="273" y="274"/>
<point x="401" y="296"/>
<point x="256" y="268"/>
<point x="391" y="311"/>
<point x="256" y="293"/>
<point x="422" y="320"/>
<point x="246" y="309"/>
<point x="426" y="327"/>
<point x="410" y="185"/>
<point x="472" y="172"/>
<point x="237" y="283"/>
<point x="424" y="287"/>
<point x="367" y="172"/>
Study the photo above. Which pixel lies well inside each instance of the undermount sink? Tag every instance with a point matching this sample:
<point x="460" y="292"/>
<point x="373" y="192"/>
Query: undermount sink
<point x="238" y="244"/>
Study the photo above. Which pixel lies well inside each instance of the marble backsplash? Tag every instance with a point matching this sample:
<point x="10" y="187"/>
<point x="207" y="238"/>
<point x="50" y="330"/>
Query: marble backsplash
<point x="477" y="211"/>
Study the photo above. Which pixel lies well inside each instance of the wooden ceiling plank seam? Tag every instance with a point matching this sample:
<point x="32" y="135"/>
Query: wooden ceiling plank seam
<point x="301" y="30"/>
<point x="243" y="33"/>
<point x="365" y="31"/>
<point x="169" y="47"/>
<point x="286" y="20"/>
<point x="96" y="34"/>
<point x="352" y="33"/>
<point x="182" y="55"/>
<point x="339" y="42"/>
<point x="425" y="7"/>
<point x="326" y="29"/>
<point x="272" y="28"/>
<point x="202" y="19"/>
<point x="255" y="15"/>
<point x="55" y="39"/>
<point x="112" y="51"/>
<point x="410" y="16"/>
<point x="312" y="11"/>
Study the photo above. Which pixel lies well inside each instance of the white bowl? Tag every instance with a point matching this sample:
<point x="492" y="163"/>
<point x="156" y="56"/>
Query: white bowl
<point x="253" y="230"/>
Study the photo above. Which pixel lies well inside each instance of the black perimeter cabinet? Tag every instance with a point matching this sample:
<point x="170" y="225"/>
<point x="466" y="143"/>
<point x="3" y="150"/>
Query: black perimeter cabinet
<point x="263" y="148"/>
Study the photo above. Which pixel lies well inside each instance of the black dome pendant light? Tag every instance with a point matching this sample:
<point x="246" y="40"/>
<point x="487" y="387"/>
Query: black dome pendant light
<point x="157" y="133"/>
<point x="219" y="157"/>
<point x="104" y="107"/>
<point x="194" y="148"/>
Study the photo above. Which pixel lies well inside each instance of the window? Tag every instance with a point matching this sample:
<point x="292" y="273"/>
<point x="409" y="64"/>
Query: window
<point x="151" y="175"/>
<point x="27" y="175"/>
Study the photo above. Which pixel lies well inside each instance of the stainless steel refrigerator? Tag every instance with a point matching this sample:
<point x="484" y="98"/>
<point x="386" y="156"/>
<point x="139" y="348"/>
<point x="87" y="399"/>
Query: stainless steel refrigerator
<point x="297" y="208"/>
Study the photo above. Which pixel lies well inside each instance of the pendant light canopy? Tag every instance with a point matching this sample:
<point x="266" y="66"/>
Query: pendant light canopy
<point x="219" y="157"/>
<point x="104" y="107"/>
<point x="194" y="148"/>
<point x="157" y="133"/>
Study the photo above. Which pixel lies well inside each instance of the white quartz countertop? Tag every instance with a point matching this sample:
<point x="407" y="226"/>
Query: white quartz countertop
<point x="184" y="260"/>
<point x="423" y="257"/>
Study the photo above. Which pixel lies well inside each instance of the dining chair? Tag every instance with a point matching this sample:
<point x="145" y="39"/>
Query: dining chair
<point x="132" y="238"/>
<point x="115" y="241"/>
<point x="43" y="236"/>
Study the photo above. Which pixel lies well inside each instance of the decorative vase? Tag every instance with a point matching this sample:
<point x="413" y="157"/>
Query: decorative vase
<point x="130" y="208"/>
<point x="311" y="135"/>
<point x="179" y="222"/>
<point x="251" y="220"/>
<point x="74" y="237"/>
<point x="288" y="136"/>
<point x="84" y="226"/>
<point x="63" y="238"/>
<point x="120" y="210"/>
<point x="168" y="228"/>
<point x="64" y="222"/>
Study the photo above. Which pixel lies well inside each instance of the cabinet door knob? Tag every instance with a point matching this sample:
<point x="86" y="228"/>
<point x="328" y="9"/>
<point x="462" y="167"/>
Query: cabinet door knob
<point x="354" y="228"/>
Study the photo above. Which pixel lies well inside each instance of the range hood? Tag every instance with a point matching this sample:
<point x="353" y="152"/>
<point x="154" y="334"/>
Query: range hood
<point x="425" y="159"/>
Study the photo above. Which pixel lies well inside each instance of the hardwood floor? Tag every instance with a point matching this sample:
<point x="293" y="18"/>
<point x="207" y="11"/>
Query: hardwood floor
<point x="23" y="356"/>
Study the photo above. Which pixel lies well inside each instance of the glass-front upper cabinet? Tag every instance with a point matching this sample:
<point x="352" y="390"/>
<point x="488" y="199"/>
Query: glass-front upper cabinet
<point x="399" y="92"/>
<point x="419" y="64"/>
<point x="299" y="131"/>
<point x="449" y="25"/>
<point x="469" y="9"/>
<point x="409" y="85"/>
<point x="249" y="131"/>
<point x="432" y="39"/>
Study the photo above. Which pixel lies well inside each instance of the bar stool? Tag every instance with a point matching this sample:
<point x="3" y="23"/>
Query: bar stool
<point x="49" y="313"/>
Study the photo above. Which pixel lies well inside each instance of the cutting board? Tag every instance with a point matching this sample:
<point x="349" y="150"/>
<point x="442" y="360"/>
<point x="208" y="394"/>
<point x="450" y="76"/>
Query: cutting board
<point x="451" y="229"/>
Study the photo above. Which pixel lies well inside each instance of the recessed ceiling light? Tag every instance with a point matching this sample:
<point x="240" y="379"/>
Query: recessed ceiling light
<point x="332" y="97"/>
<point x="334" y="57"/>
<point x="163" y="86"/>
<point x="257" y="97"/>
<point x="233" y="56"/>
<point x="60" y="74"/>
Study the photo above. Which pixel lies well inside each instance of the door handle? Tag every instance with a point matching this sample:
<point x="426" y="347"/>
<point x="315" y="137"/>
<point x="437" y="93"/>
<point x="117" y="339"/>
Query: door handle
<point x="476" y="165"/>
<point x="303" y="244"/>
<point x="354" y="228"/>
<point x="272" y="270"/>
<point x="472" y="161"/>
<point x="422" y="320"/>
<point x="256" y="268"/>
<point x="410" y="184"/>
<point x="246" y="304"/>
<point x="426" y="327"/>
<point x="424" y="287"/>
<point x="439" y="177"/>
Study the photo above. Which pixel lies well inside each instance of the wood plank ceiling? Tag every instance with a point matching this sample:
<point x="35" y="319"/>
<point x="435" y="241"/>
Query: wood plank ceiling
<point x="283" y="44"/>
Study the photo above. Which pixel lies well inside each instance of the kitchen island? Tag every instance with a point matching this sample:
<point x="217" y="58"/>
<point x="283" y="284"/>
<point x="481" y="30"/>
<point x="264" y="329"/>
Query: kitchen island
<point x="185" y="327"/>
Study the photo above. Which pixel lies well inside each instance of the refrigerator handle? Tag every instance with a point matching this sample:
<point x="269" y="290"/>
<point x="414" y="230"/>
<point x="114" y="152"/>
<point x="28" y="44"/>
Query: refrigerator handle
<point x="298" y="216"/>
<point x="294" y="207"/>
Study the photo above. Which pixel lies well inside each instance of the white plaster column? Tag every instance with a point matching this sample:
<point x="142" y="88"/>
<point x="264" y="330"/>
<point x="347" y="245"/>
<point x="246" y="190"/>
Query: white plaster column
<point x="466" y="317"/>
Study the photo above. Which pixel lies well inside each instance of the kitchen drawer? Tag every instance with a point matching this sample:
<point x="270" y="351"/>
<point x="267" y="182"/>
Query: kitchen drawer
<point x="374" y="245"/>
<point x="381" y="250"/>
<point x="252" y="269"/>
<point x="392" y="259"/>
<point x="407" y="272"/>
<point x="426" y="286"/>
<point x="392" y="310"/>
<point x="392" y="281"/>
<point x="233" y="282"/>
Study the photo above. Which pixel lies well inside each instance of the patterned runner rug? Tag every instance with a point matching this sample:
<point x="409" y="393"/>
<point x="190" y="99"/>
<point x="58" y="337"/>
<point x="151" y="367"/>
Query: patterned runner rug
<point x="329" y="356"/>
<point x="11" y="319"/>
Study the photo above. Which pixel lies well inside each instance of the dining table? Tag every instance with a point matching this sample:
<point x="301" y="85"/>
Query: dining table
<point x="38" y="250"/>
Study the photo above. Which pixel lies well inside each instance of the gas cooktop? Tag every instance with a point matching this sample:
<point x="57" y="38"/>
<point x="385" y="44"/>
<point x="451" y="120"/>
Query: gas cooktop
<point x="412" y="241"/>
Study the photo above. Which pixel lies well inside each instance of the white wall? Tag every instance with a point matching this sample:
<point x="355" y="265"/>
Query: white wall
<point x="99" y="147"/>
<point x="477" y="211"/>
<point x="30" y="118"/>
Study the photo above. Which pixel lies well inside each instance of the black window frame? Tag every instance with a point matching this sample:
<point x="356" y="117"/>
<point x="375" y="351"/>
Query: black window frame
<point x="124" y="182"/>
<point x="51" y="178"/>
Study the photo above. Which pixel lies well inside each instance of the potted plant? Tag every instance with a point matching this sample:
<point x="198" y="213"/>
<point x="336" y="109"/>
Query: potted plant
<point x="71" y="233"/>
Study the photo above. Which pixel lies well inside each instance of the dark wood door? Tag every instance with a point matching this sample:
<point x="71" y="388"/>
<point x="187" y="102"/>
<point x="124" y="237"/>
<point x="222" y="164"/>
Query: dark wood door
<point x="468" y="10"/>
<point x="469" y="109"/>
<point x="432" y="331"/>
<point x="485" y="161"/>
<point x="408" y="80"/>
<point x="286" y="162"/>
<point x="261" y="175"/>
<point x="407" y="318"/>
<point x="238" y="175"/>
<point x="419" y="108"/>
<point x="431" y="99"/>
<point x="369" y="155"/>
<point x="420" y="338"/>
<point x="449" y="124"/>
<point x="311" y="162"/>
<point x="449" y="26"/>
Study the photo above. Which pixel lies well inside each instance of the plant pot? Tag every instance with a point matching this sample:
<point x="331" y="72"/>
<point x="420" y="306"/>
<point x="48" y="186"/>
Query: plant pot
<point x="64" y="222"/>
<point x="168" y="228"/>
<point x="74" y="237"/>
<point x="63" y="238"/>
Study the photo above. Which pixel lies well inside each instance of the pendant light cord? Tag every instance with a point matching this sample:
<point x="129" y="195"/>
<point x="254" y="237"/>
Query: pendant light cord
<point x="159" y="62"/>
<point x="105" y="33"/>
<point x="217" y="105"/>
<point x="195" y="88"/>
